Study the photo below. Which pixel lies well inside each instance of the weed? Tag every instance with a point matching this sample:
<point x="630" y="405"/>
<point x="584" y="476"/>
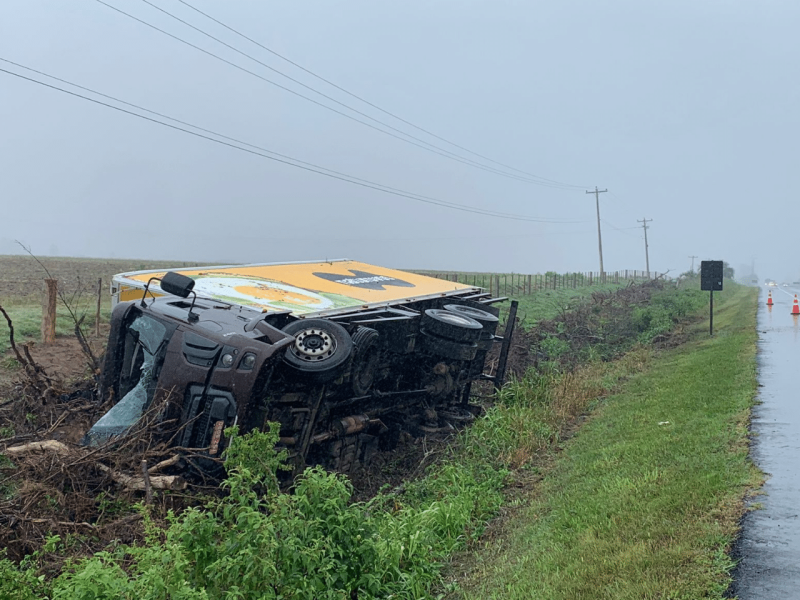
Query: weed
<point x="10" y="363"/>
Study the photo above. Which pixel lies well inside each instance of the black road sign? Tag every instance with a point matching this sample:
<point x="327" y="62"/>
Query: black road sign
<point x="711" y="275"/>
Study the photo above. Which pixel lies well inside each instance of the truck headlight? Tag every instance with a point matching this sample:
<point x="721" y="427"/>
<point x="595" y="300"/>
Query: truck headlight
<point x="227" y="360"/>
<point x="248" y="361"/>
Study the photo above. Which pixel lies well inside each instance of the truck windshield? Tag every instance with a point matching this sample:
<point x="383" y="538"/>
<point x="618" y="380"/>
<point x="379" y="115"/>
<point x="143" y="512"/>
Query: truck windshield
<point x="145" y="338"/>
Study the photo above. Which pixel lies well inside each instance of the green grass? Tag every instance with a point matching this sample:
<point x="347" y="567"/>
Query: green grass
<point x="645" y="499"/>
<point x="27" y="320"/>
<point x="547" y="304"/>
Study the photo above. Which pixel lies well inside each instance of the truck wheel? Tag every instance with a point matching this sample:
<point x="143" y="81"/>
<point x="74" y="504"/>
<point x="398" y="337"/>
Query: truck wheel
<point x="489" y="308"/>
<point x="321" y="348"/>
<point x="488" y="320"/>
<point x="451" y="326"/>
<point x="473" y="313"/>
<point x="365" y="360"/>
<point x="445" y="348"/>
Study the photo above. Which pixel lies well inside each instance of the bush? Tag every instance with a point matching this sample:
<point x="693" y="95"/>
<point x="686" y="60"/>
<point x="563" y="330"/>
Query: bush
<point x="257" y="542"/>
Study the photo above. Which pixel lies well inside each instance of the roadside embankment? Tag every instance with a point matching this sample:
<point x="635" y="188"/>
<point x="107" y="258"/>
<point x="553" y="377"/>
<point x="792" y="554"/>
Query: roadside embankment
<point x="645" y="499"/>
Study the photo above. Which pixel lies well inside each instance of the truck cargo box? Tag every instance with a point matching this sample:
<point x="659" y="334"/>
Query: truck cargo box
<point x="306" y="289"/>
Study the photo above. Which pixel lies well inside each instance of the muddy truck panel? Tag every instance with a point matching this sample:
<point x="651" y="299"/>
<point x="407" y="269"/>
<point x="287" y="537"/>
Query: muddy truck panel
<point x="345" y="356"/>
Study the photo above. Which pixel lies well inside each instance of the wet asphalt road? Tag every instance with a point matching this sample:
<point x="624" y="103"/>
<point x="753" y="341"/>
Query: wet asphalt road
<point x="770" y="544"/>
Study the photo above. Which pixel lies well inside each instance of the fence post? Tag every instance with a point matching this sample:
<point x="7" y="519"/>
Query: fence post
<point x="508" y="334"/>
<point x="49" y="311"/>
<point x="97" y="312"/>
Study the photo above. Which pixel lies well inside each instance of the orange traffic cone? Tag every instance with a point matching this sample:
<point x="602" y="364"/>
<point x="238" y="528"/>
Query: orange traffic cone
<point x="795" y="307"/>
<point x="769" y="298"/>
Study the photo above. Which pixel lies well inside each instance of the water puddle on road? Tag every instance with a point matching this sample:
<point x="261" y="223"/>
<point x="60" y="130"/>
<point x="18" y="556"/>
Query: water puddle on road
<point x="769" y="548"/>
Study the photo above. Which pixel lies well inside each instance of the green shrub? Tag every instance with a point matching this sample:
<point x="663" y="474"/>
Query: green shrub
<point x="257" y="542"/>
<point x="20" y="582"/>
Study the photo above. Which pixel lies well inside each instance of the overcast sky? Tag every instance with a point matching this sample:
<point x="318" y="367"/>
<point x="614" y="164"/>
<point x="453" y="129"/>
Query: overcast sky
<point x="686" y="111"/>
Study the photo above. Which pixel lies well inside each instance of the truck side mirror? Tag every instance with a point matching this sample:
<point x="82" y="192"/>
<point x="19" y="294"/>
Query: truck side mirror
<point x="177" y="284"/>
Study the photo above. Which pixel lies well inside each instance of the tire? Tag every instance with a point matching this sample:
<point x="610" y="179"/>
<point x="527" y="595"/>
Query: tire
<point x="451" y="326"/>
<point x="321" y="348"/>
<point x="439" y="346"/>
<point x="489" y="308"/>
<point x="365" y="360"/>
<point x="488" y="320"/>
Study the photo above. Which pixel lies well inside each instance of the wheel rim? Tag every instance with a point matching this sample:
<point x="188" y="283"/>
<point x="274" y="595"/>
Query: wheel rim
<point x="313" y="345"/>
<point x="455" y="319"/>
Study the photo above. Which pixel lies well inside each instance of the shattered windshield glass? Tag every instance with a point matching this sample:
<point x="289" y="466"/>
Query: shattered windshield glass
<point x="144" y="339"/>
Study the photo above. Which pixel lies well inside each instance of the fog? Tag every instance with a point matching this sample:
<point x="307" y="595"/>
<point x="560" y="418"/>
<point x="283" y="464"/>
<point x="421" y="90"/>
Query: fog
<point x="687" y="112"/>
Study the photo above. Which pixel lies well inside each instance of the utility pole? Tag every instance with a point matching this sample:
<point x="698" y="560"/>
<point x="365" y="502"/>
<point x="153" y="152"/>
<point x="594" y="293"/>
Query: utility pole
<point x="646" y="251"/>
<point x="597" y="193"/>
<point x="693" y="257"/>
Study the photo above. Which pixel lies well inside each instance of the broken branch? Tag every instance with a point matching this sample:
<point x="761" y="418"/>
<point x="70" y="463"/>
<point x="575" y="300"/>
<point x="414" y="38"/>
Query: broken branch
<point x="159" y="482"/>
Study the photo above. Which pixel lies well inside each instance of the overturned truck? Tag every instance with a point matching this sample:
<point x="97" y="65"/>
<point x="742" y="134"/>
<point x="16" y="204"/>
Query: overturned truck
<point x="345" y="356"/>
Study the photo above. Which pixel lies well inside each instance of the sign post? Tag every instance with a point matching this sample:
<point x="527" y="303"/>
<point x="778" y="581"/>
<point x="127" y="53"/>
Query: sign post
<point x="711" y="280"/>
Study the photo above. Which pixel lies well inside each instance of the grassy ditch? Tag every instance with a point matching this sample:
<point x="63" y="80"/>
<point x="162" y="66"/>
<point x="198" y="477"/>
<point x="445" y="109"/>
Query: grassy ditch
<point x="254" y="542"/>
<point x="644" y="501"/>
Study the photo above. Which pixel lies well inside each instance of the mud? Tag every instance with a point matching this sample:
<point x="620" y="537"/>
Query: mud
<point x="769" y="546"/>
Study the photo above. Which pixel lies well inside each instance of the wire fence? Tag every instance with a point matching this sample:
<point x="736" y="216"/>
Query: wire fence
<point x="519" y="284"/>
<point x="497" y="284"/>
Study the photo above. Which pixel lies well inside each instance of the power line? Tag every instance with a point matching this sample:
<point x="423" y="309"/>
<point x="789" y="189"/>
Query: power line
<point x="158" y="114"/>
<point x="367" y="102"/>
<point x="620" y="229"/>
<point x="281" y="158"/>
<point x="432" y="148"/>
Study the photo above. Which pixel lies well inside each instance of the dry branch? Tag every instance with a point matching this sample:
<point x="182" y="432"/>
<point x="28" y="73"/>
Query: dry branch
<point x="148" y="489"/>
<point x="20" y="360"/>
<point x="40" y="447"/>
<point x="173" y="460"/>
<point x="159" y="482"/>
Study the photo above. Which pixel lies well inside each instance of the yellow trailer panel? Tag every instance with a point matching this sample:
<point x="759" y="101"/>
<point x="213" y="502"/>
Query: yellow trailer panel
<point x="307" y="289"/>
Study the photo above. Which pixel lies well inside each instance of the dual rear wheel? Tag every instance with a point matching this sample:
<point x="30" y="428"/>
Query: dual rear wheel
<point x="457" y="332"/>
